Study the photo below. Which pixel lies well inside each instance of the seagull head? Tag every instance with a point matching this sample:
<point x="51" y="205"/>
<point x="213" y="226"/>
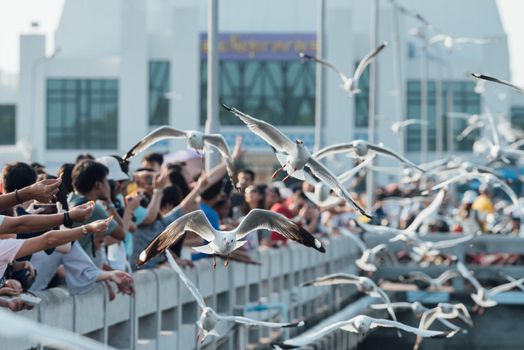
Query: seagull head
<point x="299" y="142"/>
<point x="361" y="148"/>
<point x="208" y="319"/>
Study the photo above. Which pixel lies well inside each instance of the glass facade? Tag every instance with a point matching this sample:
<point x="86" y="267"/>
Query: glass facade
<point x="159" y="85"/>
<point x="82" y="113"/>
<point x="281" y="92"/>
<point x="8" y="122"/>
<point x="362" y="99"/>
<point x="459" y="95"/>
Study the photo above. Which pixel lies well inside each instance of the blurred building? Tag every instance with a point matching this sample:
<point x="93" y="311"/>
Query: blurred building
<point x="122" y="68"/>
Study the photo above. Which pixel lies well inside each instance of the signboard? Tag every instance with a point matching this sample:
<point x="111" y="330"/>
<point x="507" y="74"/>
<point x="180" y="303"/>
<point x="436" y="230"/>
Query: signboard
<point x="261" y="46"/>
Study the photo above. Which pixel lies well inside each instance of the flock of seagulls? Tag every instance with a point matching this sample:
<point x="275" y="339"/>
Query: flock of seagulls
<point x="330" y="190"/>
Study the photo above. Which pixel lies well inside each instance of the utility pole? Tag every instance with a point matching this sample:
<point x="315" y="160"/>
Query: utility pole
<point x="397" y="66"/>
<point x="212" y="122"/>
<point x="319" y="79"/>
<point x="424" y="97"/>
<point x="370" y="178"/>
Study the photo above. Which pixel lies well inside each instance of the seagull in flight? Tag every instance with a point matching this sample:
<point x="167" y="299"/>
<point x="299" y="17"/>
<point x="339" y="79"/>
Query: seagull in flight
<point x="294" y="156"/>
<point x="322" y="196"/>
<point x="368" y="260"/>
<point x="499" y="81"/>
<point x="360" y="325"/>
<point x="449" y="42"/>
<point x="363" y="284"/>
<point x="225" y="242"/>
<point x="195" y="139"/>
<point x="362" y="149"/>
<point x="350" y="85"/>
<point x="433" y="283"/>
<point x="398" y="126"/>
<point x="418" y="310"/>
<point x="211" y="323"/>
<point x="423" y="248"/>
<point x="484" y="297"/>
<point x="443" y="311"/>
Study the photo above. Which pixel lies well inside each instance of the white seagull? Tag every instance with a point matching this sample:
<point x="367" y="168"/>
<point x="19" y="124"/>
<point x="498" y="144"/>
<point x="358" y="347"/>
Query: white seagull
<point x="224" y="242"/>
<point x="368" y="260"/>
<point x="211" y="323"/>
<point x="350" y="85"/>
<point x="195" y="139"/>
<point x="484" y="297"/>
<point x="398" y="126"/>
<point x="499" y="81"/>
<point x="322" y="196"/>
<point x="449" y="42"/>
<point x="418" y="310"/>
<point x="363" y="284"/>
<point x="443" y="311"/>
<point x="433" y="283"/>
<point x="361" y="149"/>
<point x="474" y="121"/>
<point x="423" y="248"/>
<point x="360" y="325"/>
<point x="294" y="156"/>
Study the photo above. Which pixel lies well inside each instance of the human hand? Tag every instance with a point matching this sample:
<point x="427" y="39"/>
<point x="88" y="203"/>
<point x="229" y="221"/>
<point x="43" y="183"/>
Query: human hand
<point x="133" y="201"/>
<point x="16" y="305"/>
<point x="99" y="226"/>
<point x="42" y="191"/>
<point x="124" y="281"/>
<point x="238" y="151"/>
<point x="29" y="267"/>
<point x="161" y="180"/>
<point x="32" y="210"/>
<point x="13" y="284"/>
<point x="82" y="212"/>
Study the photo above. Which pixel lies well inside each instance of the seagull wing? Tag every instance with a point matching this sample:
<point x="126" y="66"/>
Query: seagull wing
<point x="162" y="133"/>
<point x="419" y="276"/>
<point x="195" y="221"/>
<point x="462" y="269"/>
<point x="342" y="178"/>
<point x="325" y="63"/>
<point x="386" y="300"/>
<point x="333" y="149"/>
<point x="399" y="305"/>
<point x="448" y="243"/>
<point x="499" y="81"/>
<point x="437" y="38"/>
<point x="252" y="322"/>
<point x="311" y="337"/>
<point x="468" y="130"/>
<point x="423" y="333"/>
<point x="354" y="237"/>
<point x="427" y="212"/>
<point x="367" y="60"/>
<point x="408" y="122"/>
<point x="189" y="284"/>
<point x="266" y="131"/>
<point x="476" y="41"/>
<point x="336" y="278"/>
<point x="329" y="179"/>
<point x="218" y="141"/>
<point x="389" y="153"/>
<point x="446" y="276"/>
<point x="462" y="177"/>
<point x="505" y="287"/>
<point x="269" y="220"/>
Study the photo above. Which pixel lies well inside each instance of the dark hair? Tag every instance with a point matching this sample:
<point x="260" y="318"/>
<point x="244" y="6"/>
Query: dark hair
<point x="84" y="156"/>
<point x="123" y="164"/>
<point x="144" y="169"/>
<point x="249" y="172"/>
<point x="86" y="174"/>
<point x="66" y="170"/>
<point x="154" y="157"/>
<point x="176" y="178"/>
<point x="275" y="190"/>
<point x="213" y="191"/>
<point x="171" y="196"/>
<point x="17" y="176"/>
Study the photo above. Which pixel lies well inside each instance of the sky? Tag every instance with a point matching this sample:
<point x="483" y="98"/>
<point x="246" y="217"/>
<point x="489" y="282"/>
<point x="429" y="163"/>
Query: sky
<point x="16" y="17"/>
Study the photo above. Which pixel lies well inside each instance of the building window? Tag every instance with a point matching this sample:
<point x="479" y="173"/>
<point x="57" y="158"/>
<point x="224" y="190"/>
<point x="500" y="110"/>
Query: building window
<point x="461" y="98"/>
<point x="159" y="86"/>
<point x="261" y="74"/>
<point x="82" y="113"/>
<point x="279" y="92"/>
<point x="362" y="99"/>
<point x="8" y="122"/>
<point x="517" y="117"/>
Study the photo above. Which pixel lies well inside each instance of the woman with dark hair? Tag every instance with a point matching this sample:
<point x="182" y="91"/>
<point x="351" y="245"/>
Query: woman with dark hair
<point x="254" y="197"/>
<point x="468" y="218"/>
<point x="177" y="178"/>
<point x="65" y="173"/>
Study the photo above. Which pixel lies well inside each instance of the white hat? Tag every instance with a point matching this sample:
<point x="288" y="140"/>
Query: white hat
<point x="469" y="197"/>
<point x="115" y="171"/>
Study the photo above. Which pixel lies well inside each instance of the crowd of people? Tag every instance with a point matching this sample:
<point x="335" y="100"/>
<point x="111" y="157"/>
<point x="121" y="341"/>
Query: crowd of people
<point x="88" y="224"/>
